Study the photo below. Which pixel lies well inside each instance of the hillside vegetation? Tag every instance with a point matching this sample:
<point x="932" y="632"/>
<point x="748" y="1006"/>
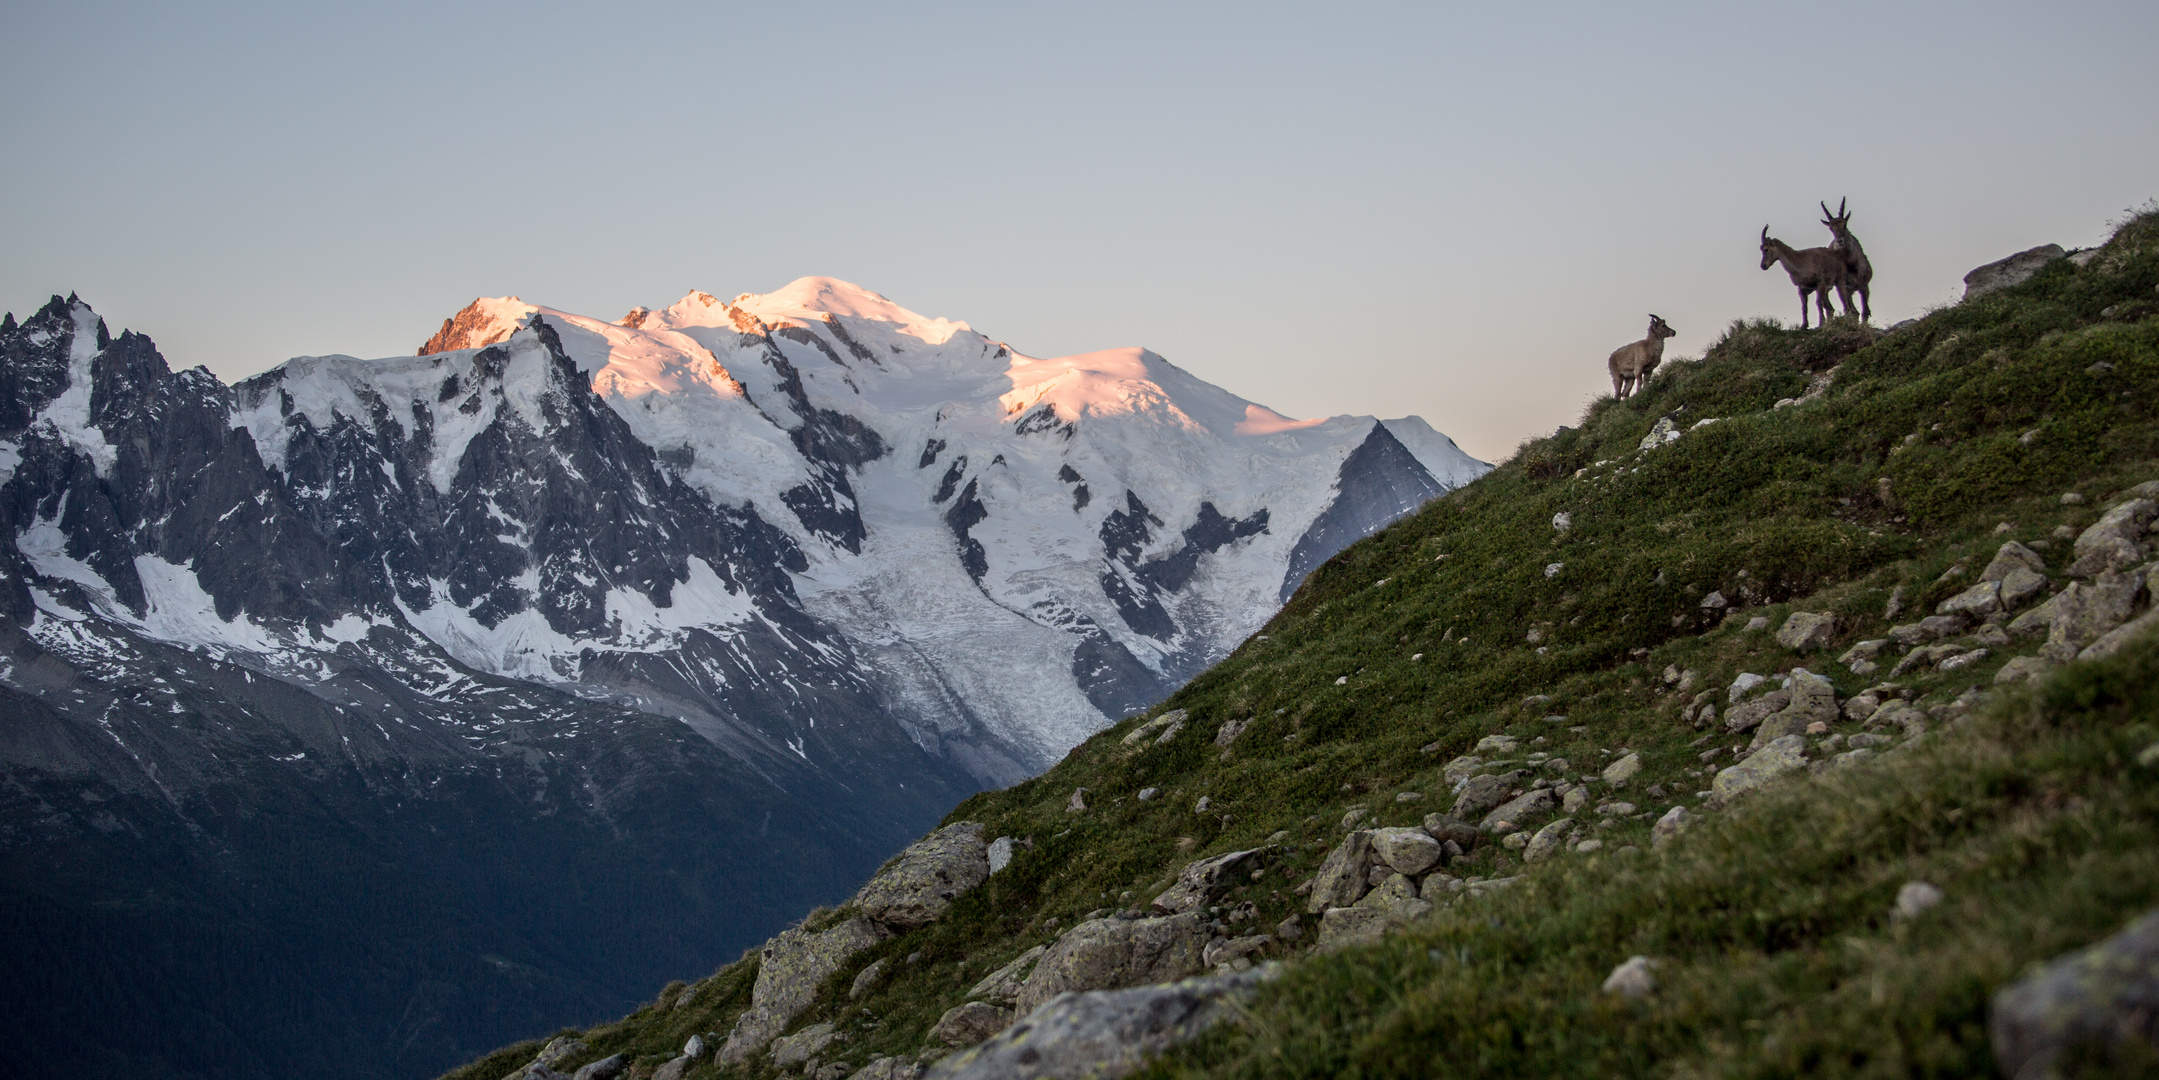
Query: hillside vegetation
<point x="1894" y="470"/>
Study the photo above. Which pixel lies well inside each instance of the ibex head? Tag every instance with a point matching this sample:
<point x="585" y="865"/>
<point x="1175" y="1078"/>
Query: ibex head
<point x="1840" y="222"/>
<point x="1659" y="330"/>
<point x="1769" y="253"/>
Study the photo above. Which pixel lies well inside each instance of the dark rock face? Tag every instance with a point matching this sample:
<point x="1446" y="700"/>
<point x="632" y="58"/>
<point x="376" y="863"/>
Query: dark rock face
<point x="1379" y="482"/>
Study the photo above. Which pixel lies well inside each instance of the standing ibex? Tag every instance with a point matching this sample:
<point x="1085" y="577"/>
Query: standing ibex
<point x="1633" y="363"/>
<point x="1813" y="270"/>
<point x="1858" y="272"/>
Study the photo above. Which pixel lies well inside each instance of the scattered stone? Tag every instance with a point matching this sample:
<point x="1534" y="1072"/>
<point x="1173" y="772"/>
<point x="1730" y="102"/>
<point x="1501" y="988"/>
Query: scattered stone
<point x="1002" y="986"/>
<point x="1771" y="761"/>
<point x="1632" y="979"/>
<point x="1235" y="953"/>
<point x="1342" y="876"/>
<point x="1108" y="954"/>
<point x="1146" y="794"/>
<point x="1961" y="660"/>
<point x="1615" y="809"/>
<point x="808" y="1043"/>
<point x="889" y="1068"/>
<point x="1447" y="829"/>
<point x="790" y="969"/>
<point x="1744" y="682"/>
<point x="1619" y="772"/>
<point x="1172" y="718"/>
<point x="2022" y="668"/>
<point x="1811" y="700"/>
<point x="1759" y="622"/>
<point x="607" y="1068"/>
<point x="673" y="1069"/>
<point x="2012" y="556"/>
<point x="867" y="980"/>
<point x="1497" y="744"/>
<point x="920" y="883"/>
<point x="1519" y="810"/>
<point x="1354" y="817"/>
<point x="999" y="853"/>
<point x="2086" y="610"/>
<point x="2014" y="270"/>
<point x="1548" y="841"/>
<point x="1397" y="896"/>
<point x="1460" y="769"/>
<point x="1482" y="793"/>
<point x="1203" y="881"/>
<point x="1895" y="606"/>
<point x="1715" y="601"/>
<point x="1230" y="730"/>
<point x="1343" y="927"/>
<point x="2113" y="542"/>
<point x="1514" y="841"/>
<point x="1077" y="804"/>
<point x="1916" y="898"/>
<point x="1104" y="1034"/>
<point x="1807" y="631"/>
<point x="2088" y="1003"/>
<point x="1748" y="715"/>
<point x="1674" y="822"/>
<point x="2113" y="641"/>
<point x="963" y="1025"/>
<point x="1409" y="851"/>
<point x="1290" y="929"/>
<point x="1980" y="600"/>
<point x="1588" y="847"/>
<point x="1409" y="797"/>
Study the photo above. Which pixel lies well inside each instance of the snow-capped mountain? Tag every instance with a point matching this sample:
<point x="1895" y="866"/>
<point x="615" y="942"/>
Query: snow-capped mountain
<point x="788" y="573"/>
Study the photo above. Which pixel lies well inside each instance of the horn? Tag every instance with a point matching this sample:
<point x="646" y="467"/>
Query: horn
<point x="1840" y="206"/>
<point x="1825" y="211"/>
<point x="1765" y="232"/>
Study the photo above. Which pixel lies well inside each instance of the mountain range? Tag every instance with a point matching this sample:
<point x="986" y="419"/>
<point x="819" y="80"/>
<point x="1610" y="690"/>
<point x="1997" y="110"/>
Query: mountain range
<point x="364" y="713"/>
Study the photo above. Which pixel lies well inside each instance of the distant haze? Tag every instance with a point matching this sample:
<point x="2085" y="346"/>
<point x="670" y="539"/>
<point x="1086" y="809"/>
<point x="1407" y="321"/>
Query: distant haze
<point x="1455" y="211"/>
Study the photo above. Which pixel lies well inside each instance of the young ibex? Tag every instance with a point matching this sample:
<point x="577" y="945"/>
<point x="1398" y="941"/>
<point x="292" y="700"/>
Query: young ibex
<point x="1858" y="272"/>
<point x="1813" y="270"/>
<point x="1633" y="363"/>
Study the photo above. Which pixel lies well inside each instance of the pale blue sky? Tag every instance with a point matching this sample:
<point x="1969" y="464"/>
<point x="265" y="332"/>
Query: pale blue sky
<point x="1448" y="210"/>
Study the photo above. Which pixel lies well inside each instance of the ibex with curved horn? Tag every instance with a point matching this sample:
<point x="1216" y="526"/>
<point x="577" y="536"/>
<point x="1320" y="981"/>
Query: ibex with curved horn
<point x="1633" y="363"/>
<point x="1858" y="272"/>
<point x="1812" y="270"/>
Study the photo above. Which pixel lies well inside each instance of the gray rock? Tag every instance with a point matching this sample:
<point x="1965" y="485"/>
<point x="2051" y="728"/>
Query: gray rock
<point x="1916" y="898"/>
<point x="2038" y="620"/>
<point x="2091" y="1001"/>
<point x="2022" y="668"/>
<point x="790" y="969"/>
<point x="2125" y="521"/>
<point x="1519" y="811"/>
<point x="921" y="882"/>
<point x="890" y="1068"/>
<point x="1980" y="600"/>
<point x="1103" y="1034"/>
<point x="1483" y="793"/>
<point x="999" y="853"/>
<point x="1109" y="954"/>
<point x="1865" y="650"/>
<point x="868" y="978"/>
<point x="1172" y="718"/>
<point x="970" y="1023"/>
<point x="2014" y="270"/>
<point x="1910" y="720"/>
<point x="1230" y="730"/>
<point x="1782" y="756"/>
<point x="1715" y="601"/>
<point x="1623" y="770"/>
<point x="1748" y="715"/>
<point x="2086" y="610"/>
<point x="694" y="1047"/>
<point x="607" y="1068"/>
<point x="1632" y="979"/>
<point x="1203" y="880"/>
<point x="558" y="1049"/>
<point x="1398" y="897"/>
<point x="1497" y="744"/>
<point x="1574" y="800"/>
<point x="1229" y="951"/>
<point x="1343" y="874"/>
<point x="1461" y="769"/>
<point x="1077" y="804"/>
<point x="802" y="1045"/>
<point x="1674" y="822"/>
<point x="1443" y="828"/>
<point x="1549" y="841"/>
<point x="2012" y="556"/>
<point x="2021" y="587"/>
<point x="1807" y="631"/>
<point x="674" y="1069"/>
<point x="2110" y="554"/>
<point x="1002" y="986"/>
<point x="1408" y="850"/>
<point x="1344" y="927"/>
<point x="1813" y="700"/>
<point x="2113" y="641"/>
<point x="1744" y="682"/>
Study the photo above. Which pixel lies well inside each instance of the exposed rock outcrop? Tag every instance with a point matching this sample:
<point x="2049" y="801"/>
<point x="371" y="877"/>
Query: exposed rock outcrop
<point x="1103" y="1033"/>
<point x="917" y="886"/>
<point x="1109" y="954"/>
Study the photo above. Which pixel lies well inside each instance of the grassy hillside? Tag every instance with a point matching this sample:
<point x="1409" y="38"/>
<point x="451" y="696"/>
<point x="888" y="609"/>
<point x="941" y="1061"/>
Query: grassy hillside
<point x="1909" y="457"/>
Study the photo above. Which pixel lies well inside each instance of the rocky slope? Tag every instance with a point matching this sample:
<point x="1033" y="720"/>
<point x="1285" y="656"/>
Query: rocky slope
<point x="433" y="698"/>
<point x="1777" y="721"/>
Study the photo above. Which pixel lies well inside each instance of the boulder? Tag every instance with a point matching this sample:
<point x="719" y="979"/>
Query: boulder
<point x="790" y="969"/>
<point x="890" y="1068"/>
<point x="2125" y="521"/>
<point x="2014" y="270"/>
<point x="999" y="853"/>
<point x="1002" y="986"/>
<point x="1632" y="979"/>
<point x="1748" y="715"/>
<point x="2113" y="641"/>
<point x="1103" y="1034"/>
<point x="1674" y="822"/>
<point x="2012" y="556"/>
<point x="674" y="1068"/>
<point x="2021" y="587"/>
<point x="1174" y="717"/>
<point x="921" y="882"/>
<point x="1461" y="769"/>
<point x="607" y="1068"/>
<point x="1202" y="881"/>
<point x="1519" y="811"/>
<point x="1109" y="954"/>
<point x="803" y="1045"/>
<point x="1807" y="631"/>
<point x="1229" y="951"/>
<point x="1548" y="841"/>
<point x="1978" y="601"/>
<point x="1343" y="927"/>
<point x="1443" y="827"/>
<point x="867" y="979"/>
<point x="1342" y="875"/>
<point x="2110" y="554"/>
<point x="1483" y="793"/>
<point x="694" y="1047"/>
<point x="2089" y="1003"/>
<point x="1768" y="763"/>
<point x="2086" y="610"/>
<point x="968" y="1024"/>
<point x="1399" y="898"/>
<point x="2021" y="668"/>
<point x="1409" y="851"/>
<point x="1229" y="731"/>
<point x="1813" y="700"/>
<point x="1623" y="770"/>
<point x="1497" y="744"/>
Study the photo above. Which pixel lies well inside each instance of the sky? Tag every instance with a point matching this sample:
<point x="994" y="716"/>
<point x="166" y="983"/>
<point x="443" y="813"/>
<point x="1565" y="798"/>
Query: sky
<point x="1452" y="211"/>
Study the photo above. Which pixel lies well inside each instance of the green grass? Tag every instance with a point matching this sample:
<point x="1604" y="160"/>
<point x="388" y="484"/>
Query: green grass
<point x="1770" y="918"/>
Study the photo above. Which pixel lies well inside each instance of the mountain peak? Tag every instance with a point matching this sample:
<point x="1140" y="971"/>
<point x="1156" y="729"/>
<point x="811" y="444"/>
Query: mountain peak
<point x="483" y="322"/>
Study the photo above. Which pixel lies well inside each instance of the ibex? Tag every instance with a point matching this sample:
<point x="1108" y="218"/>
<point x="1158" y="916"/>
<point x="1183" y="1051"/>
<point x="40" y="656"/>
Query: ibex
<point x="1633" y="363"/>
<point x="1858" y="272"/>
<point x="1814" y="270"/>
